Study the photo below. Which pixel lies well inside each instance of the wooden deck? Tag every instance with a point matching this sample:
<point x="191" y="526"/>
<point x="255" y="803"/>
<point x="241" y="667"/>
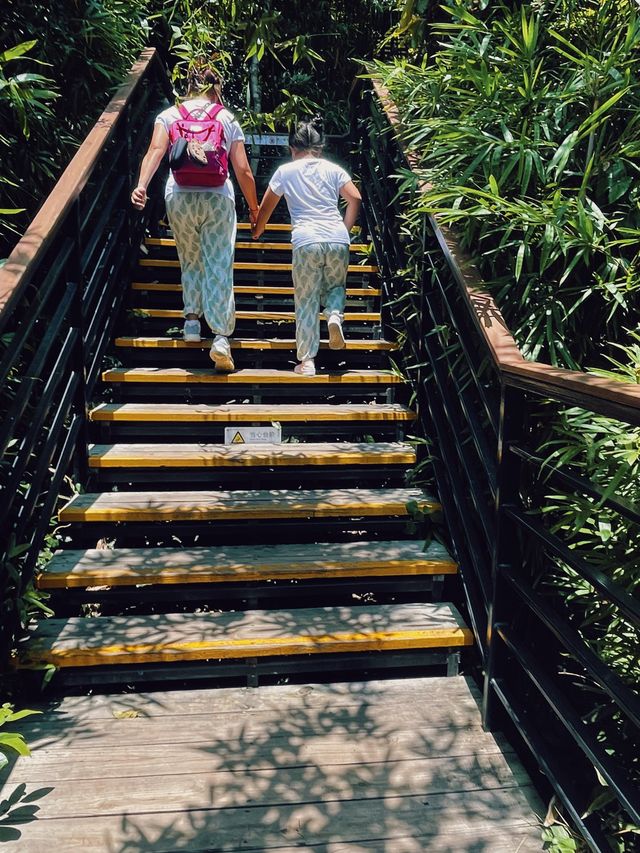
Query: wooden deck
<point x="396" y="766"/>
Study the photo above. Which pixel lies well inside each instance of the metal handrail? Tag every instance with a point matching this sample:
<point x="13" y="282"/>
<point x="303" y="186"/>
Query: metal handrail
<point x="479" y="405"/>
<point x="60" y="293"/>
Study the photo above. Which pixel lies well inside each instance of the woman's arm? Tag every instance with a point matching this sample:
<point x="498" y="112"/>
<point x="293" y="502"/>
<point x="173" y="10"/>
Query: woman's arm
<point x="351" y="195"/>
<point x="244" y="176"/>
<point x="267" y="206"/>
<point x="149" y="166"/>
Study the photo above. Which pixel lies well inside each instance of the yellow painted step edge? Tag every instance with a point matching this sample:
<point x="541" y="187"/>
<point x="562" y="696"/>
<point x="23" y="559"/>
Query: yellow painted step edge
<point x="245" y="573"/>
<point x="240" y="377"/>
<point x="249" y="458"/>
<point x="228" y="513"/>
<point x="169" y="242"/>
<point x="240" y="265"/>
<point x="237" y="416"/>
<point x="250" y="289"/>
<point x="239" y="343"/>
<point x="284" y="316"/>
<point x="139" y="653"/>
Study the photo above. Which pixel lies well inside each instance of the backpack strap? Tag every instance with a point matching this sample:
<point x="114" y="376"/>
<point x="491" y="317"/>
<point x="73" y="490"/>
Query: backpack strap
<point x="213" y="110"/>
<point x="184" y="112"/>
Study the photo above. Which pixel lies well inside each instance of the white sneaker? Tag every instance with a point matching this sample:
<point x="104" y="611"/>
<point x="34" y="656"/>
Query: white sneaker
<point x="305" y="368"/>
<point x="221" y="354"/>
<point x="336" y="335"/>
<point x="191" y="330"/>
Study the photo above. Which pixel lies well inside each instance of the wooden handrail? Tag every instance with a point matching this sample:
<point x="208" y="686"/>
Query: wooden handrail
<point x="508" y="359"/>
<point x="23" y="260"/>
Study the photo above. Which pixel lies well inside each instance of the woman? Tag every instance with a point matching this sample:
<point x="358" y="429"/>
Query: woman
<point x="203" y="221"/>
<point x="312" y="186"/>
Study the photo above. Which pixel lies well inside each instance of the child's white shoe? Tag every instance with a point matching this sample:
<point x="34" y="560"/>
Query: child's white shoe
<point x="305" y="368"/>
<point x="336" y="335"/>
<point x="221" y="354"/>
<point x="191" y="330"/>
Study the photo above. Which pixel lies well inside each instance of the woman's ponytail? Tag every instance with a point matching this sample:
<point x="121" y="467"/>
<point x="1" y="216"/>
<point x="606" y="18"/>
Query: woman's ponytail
<point x="205" y="81"/>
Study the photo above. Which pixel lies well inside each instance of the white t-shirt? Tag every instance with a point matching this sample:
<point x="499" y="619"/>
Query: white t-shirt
<point x="311" y="187"/>
<point x="232" y="133"/>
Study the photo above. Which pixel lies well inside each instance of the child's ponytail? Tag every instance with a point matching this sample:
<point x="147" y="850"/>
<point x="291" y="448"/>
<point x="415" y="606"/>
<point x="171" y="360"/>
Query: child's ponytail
<point x="308" y="136"/>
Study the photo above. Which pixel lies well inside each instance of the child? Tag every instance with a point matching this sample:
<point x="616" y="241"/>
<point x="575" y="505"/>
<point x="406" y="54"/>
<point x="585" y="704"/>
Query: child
<point x="311" y="186"/>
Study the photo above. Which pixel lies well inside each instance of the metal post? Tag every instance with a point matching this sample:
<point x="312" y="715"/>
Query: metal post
<point x="80" y="404"/>
<point x="507" y="552"/>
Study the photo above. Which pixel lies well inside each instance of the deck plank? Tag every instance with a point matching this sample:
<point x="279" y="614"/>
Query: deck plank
<point x="340" y="768"/>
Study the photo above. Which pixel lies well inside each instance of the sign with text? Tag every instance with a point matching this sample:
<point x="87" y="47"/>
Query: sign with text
<point x="266" y="139"/>
<point x="253" y="435"/>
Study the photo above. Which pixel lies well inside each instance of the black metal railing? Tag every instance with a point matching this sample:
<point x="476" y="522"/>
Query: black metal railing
<point x="60" y="292"/>
<point x="483" y="409"/>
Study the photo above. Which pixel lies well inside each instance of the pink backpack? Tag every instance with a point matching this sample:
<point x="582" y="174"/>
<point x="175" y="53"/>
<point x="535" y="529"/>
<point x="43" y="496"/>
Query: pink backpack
<point x="209" y="132"/>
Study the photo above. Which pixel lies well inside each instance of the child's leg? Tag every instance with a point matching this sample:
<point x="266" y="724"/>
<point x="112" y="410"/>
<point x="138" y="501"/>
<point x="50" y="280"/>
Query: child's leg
<point x="217" y="241"/>
<point x="183" y="213"/>
<point x="333" y="292"/>
<point x="307" y="267"/>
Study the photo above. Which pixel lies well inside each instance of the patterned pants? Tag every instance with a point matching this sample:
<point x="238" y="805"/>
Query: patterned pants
<point x="204" y="225"/>
<point x="319" y="276"/>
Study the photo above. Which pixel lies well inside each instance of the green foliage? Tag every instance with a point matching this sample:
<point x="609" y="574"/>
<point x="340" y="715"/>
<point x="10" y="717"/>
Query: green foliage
<point x="607" y="453"/>
<point x="59" y="63"/>
<point x="525" y="126"/>
<point x="12" y="742"/>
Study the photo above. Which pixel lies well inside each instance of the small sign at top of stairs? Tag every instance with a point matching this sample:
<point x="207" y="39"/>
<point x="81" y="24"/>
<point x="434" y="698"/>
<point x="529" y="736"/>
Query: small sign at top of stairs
<point x="253" y="435"/>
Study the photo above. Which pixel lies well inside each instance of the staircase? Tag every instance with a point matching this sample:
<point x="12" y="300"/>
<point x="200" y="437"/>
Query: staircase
<point x="191" y="558"/>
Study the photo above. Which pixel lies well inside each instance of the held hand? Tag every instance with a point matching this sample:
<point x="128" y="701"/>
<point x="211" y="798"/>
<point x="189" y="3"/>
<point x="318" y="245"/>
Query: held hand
<point x="253" y="219"/>
<point x="139" y="198"/>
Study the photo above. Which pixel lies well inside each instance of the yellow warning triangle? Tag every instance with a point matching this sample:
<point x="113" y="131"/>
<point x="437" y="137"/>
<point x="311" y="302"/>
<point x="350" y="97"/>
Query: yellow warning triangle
<point x="237" y="439"/>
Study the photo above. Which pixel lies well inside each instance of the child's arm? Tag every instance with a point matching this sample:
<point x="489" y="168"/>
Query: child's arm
<point x="351" y="195"/>
<point x="267" y="206"/>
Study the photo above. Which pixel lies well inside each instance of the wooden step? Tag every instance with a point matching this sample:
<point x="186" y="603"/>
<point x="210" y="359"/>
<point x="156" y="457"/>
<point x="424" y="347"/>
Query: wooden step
<point x="249" y="455"/>
<point x="246" y="344"/>
<point x="169" y="242"/>
<point x="239" y="505"/>
<point x="258" y="266"/>
<point x="246" y="289"/>
<point x="277" y="316"/>
<point x="170" y="637"/>
<point x="248" y="376"/>
<point x="326" y="560"/>
<point x="250" y="413"/>
<point x="271" y="226"/>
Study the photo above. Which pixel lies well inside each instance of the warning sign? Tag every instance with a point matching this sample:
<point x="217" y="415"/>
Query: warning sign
<point x="253" y="435"/>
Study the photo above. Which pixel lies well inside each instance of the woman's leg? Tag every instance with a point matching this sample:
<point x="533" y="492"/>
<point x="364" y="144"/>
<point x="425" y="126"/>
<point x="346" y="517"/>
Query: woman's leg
<point x="183" y="213"/>
<point x="307" y="266"/>
<point x="217" y="240"/>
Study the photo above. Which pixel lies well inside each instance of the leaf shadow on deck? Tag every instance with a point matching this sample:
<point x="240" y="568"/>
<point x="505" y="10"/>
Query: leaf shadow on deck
<point x="340" y="768"/>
